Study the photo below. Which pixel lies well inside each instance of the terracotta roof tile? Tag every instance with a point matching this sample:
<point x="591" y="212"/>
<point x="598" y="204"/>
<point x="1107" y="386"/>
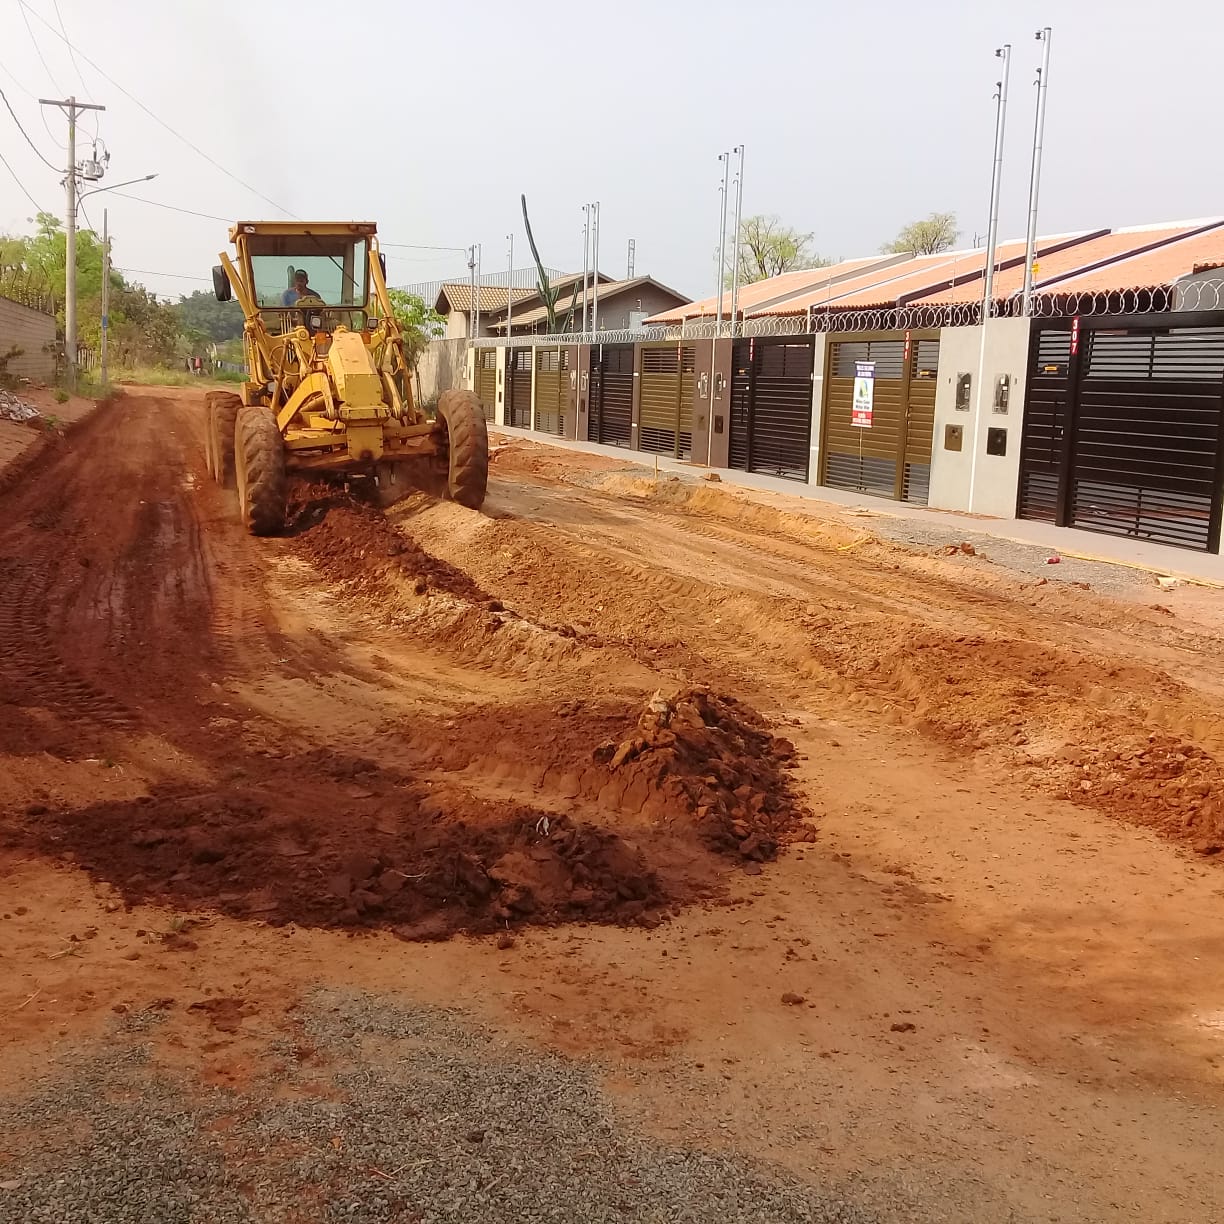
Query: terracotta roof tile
<point x="761" y="293"/>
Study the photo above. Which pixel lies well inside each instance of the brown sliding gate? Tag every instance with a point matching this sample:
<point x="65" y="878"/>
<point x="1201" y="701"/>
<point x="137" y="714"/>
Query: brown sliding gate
<point x="890" y="457"/>
<point x="1124" y="427"/>
<point x="669" y="381"/>
<point x="486" y="381"/>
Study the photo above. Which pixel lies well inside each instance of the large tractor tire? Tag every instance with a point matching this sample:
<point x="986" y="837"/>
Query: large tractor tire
<point x="210" y="461"/>
<point x="259" y="461"/>
<point x="467" y="447"/>
<point x="223" y="415"/>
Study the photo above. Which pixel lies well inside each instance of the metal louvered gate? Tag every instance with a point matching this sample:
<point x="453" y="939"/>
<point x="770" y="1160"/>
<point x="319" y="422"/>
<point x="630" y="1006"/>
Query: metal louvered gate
<point x="486" y="381"/>
<point x="669" y="381"/>
<point x="611" y="394"/>
<point x="518" y="392"/>
<point x="891" y="457"/>
<point x="771" y="407"/>
<point x="1124" y="428"/>
<point x="551" y="365"/>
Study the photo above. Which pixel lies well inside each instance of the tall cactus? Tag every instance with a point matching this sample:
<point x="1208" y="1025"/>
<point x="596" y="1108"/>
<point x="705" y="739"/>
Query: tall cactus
<point x="548" y="295"/>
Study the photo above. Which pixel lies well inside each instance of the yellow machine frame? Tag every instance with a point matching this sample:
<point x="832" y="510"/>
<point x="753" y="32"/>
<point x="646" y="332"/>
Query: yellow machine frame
<point x="342" y="398"/>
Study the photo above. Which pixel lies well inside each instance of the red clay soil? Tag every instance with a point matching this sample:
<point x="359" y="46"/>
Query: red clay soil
<point x="327" y="840"/>
<point x="350" y="541"/>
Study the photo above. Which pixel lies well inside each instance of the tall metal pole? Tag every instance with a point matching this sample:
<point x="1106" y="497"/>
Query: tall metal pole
<point x="106" y="264"/>
<point x="735" y="250"/>
<point x="725" y="158"/>
<point x="630" y="260"/>
<point x="1030" y="250"/>
<point x="595" y="267"/>
<point x="479" y="286"/>
<point x="510" y="286"/>
<point x="586" y="265"/>
<point x="992" y="238"/>
<point x="472" y="285"/>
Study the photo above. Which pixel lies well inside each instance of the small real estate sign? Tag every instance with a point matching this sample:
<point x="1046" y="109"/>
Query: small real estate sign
<point x="864" y="394"/>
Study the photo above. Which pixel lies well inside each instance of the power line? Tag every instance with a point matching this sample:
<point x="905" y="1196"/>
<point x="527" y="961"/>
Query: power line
<point x="37" y="48"/>
<point x="20" y="184"/>
<point x="171" y="275"/>
<point x="49" y="164"/>
<point x="76" y="67"/>
<point x="157" y="119"/>
<point x="190" y="212"/>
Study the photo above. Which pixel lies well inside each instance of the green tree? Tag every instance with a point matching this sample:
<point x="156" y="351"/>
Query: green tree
<point x="420" y="321"/>
<point x="203" y="316"/>
<point x="936" y="233"/>
<point x="768" y="248"/>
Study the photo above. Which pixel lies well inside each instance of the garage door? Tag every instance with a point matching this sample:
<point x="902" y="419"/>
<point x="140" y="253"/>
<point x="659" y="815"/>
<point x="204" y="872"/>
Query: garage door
<point x="771" y="406"/>
<point x="611" y="394"/>
<point x="518" y="371"/>
<point x="486" y="381"/>
<point x="1134" y="447"/>
<point x="891" y="455"/>
<point x="552" y="365"/>
<point x="669" y="381"/>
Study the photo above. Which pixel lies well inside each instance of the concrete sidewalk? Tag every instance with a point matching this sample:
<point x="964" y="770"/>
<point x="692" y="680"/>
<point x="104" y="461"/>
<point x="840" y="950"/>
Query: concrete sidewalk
<point x="1064" y="541"/>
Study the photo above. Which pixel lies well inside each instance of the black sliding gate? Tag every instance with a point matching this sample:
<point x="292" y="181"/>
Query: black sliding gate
<point x="611" y="394"/>
<point x="1124" y="427"/>
<point x="771" y="406"/>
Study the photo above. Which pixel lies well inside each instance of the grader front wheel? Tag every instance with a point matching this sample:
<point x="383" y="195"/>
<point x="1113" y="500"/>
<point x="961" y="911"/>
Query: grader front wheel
<point x="467" y="444"/>
<point x="259" y="459"/>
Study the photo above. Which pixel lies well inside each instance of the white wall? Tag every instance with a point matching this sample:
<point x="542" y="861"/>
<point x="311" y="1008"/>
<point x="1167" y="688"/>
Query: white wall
<point x="986" y="484"/>
<point x="818" y="369"/>
<point x="499" y="411"/>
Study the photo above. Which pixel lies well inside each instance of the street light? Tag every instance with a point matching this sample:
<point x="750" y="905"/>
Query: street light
<point x="106" y="267"/>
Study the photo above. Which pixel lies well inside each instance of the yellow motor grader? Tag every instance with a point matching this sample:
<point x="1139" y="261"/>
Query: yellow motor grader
<point x="328" y="388"/>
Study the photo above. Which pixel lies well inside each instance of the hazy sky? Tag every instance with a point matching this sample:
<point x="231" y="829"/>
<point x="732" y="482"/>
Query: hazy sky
<point x="431" y="119"/>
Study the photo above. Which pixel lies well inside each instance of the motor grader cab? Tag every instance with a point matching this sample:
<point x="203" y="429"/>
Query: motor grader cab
<point x="328" y="389"/>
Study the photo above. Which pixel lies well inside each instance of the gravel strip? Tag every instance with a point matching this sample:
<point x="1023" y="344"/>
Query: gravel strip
<point x="440" y="1123"/>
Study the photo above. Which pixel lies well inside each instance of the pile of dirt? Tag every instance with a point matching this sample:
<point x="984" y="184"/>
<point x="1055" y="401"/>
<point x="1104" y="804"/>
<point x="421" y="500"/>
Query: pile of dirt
<point x="714" y="759"/>
<point x="336" y="842"/>
<point x="1161" y="782"/>
<point x="352" y="542"/>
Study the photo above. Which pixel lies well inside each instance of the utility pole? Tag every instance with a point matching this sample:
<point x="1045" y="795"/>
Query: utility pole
<point x="105" y="294"/>
<point x="586" y="265"/>
<point x="1030" y="250"/>
<point x="629" y="263"/>
<point x="595" y="266"/>
<point x="992" y="238"/>
<point x="735" y="256"/>
<point x="71" y="107"/>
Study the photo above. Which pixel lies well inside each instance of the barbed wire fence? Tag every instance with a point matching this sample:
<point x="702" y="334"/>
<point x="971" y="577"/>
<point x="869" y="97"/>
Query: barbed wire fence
<point x="1195" y="295"/>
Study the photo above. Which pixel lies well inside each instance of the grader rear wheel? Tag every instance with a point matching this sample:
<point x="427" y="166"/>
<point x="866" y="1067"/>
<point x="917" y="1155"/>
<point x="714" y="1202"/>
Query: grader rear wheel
<point x="224" y="413"/>
<point x="259" y="458"/>
<point x="467" y="447"/>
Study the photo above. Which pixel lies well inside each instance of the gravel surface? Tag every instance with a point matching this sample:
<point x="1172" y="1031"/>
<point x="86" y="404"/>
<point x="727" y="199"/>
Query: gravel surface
<point x="1019" y="558"/>
<point x="423" y="1120"/>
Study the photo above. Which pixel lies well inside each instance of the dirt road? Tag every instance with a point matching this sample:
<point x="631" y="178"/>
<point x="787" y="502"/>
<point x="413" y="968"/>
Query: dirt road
<point x="904" y="899"/>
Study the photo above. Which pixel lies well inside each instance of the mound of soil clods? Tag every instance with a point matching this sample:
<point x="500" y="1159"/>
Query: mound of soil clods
<point x="716" y="759"/>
